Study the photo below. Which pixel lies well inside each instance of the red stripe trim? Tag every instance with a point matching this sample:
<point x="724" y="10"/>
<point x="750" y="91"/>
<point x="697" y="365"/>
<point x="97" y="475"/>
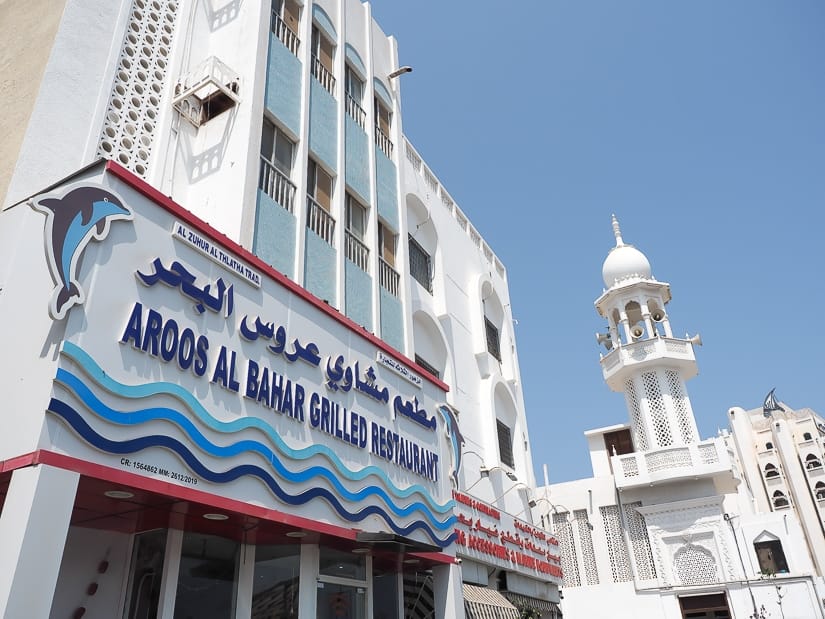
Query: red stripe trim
<point x="177" y="210"/>
<point x="98" y="471"/>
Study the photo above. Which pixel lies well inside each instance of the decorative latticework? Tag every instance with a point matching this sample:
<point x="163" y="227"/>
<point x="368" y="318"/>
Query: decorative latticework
<point x="130" y="124"/>
<point x="563" y="531"/>
<point x="632" y="399"/>
<point x="591" y="572"/>
<point x="680" y="404"/>
<point x="640" y="542"/>
<point x="694" y="565"/>
<point x="616" y="548"/>
<point x="668" y="459"/>
<point x="658" y="411"/>
<point x="708" y="453"/>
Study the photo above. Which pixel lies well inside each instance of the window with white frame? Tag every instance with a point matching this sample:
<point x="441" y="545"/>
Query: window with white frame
<point x="277" y="152"/>
<point x="323" y="52"/>
<point x="356" y="227"/>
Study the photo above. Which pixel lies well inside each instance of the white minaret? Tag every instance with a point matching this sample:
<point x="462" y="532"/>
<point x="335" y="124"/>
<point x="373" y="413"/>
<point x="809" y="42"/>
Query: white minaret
<point x="645" y="361"/>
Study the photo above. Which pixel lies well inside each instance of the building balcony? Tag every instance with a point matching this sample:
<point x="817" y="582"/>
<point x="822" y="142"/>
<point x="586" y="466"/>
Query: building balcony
<point x="706" y="459"/>
<point x="355" y="111"/>
<point x="285" y="33"/>
<point x="388" y="277"/>
<point x="320" y="221"/>
<point x="382" y="140"/>
<point x="276" y="185"/>
<point x="648" y="352"/>
<point x="323" y="75"/>
<point x="356" y="251"/>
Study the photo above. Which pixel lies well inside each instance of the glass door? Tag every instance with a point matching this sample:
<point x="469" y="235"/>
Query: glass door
<point x="340" y="601"/>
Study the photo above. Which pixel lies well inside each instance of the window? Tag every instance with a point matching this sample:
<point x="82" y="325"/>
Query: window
<point x="355" y="95"/>
<point x="427" y="367"/>
<point x="319" y="185"/>
<point x="284" y="23"/>
<point x="277" y="152"/>
<point x="387" y="240"/>
<point x="618" y="443"/>
<point x="388" y="277"/>
<point x="319" y="200"/>
<point x="807" y="436"/>
<point x="505" y="443"/>
<point x="491" y="333"/>
<point x="771" y="557"/>
<point x="276" y="148"/>
<point x="768" y="445"/>
<point x="356" y="225"/>
<point x="322" y="53"/>
<point x="383" y="121"/>
<point x="356" y="218"/>
<point x="812" y="462"/>
<point x="770" y="470"/>
<point x="779" y="499"/>
<point x="383" y="116"/>
<point x="420" y="265"/>
<point x="820" y="491"/>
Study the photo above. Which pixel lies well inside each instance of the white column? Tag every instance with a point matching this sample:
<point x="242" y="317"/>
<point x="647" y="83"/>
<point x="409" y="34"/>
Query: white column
<point x="33" y="527"/>
<point x="308" y="581"/>
<point x="447" y="594"/>
<point x="246" y="581"/>
<point x="171" y="570"/>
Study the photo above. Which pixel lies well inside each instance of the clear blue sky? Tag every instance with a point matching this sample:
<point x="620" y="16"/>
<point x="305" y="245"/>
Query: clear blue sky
<point x="701" y="124"/>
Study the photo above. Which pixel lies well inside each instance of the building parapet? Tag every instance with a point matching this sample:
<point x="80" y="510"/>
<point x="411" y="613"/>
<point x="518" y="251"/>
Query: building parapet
<point x="435" y="186"/>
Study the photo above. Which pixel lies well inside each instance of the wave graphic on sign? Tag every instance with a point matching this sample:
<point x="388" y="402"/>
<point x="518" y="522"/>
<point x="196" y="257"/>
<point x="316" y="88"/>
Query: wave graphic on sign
<point x="241" y="447"/>
<point x="79" y="425"/>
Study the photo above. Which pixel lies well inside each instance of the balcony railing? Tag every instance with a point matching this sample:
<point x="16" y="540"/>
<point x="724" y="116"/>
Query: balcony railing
<point x="383" y="141"/>
<point x="285" y="33"/>
<point x="388" y="277"/>
<point x="276" y="185"/>
<point x="356" y="111"/>
<point x="671" y="463"/>
<point x="320" y="221"/>
<point x="356" y="251"/>
<point x="323" y="75"/>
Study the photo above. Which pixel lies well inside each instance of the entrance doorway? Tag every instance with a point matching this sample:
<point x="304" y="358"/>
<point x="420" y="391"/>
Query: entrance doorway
<point x="712" y="606"/>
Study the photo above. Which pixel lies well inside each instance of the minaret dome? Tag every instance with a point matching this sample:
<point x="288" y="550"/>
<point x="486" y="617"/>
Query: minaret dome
<point x="624" y="261"/>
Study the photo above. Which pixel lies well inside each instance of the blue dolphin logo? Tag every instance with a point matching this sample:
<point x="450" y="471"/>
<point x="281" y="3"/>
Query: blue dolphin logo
<point x="72" y="220"/>
<point x="455" y="437"/>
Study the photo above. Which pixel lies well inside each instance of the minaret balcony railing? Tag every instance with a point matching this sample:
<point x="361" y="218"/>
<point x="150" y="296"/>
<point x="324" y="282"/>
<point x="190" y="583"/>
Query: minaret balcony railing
<point x="645" y="351"/>
<point x="706" y="459"/>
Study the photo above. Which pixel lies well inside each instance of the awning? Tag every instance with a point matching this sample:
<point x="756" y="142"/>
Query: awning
<point x="542" y="606"/>
<point x="483" y="603"/>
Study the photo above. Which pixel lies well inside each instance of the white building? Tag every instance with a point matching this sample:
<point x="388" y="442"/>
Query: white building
<point x="673" y="525"/>
<point x="263" y="365"/>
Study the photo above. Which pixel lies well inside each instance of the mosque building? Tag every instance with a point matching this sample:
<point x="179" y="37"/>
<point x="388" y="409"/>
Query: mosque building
<point x="672" y="525"/>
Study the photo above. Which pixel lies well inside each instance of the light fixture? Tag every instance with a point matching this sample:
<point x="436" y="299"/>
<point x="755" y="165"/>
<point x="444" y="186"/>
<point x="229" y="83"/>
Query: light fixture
<point x="485" y="472"/>
<point x="118" y="494"/>
<point x="216" y="517"/>
<point x="411" y="561"/>
<point x="400" y="71"/>
<point x="516" y="485"/>
<point x="360" y="551"/>
<point x="296" y="534"/>
<point x="532" y="503"/>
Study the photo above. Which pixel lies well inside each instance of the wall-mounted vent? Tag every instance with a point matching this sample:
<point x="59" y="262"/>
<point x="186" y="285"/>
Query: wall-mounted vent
<point x="209" y="90"/>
